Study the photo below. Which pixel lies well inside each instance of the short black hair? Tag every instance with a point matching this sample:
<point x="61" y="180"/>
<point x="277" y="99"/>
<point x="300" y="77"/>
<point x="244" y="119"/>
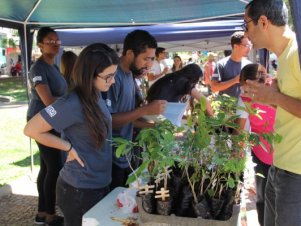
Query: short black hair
<point x="43" y="32"/>
<point x="248" y="72"/>
<point x="174" y="85"/>
<point x="236" y="37"/>
<point x="275" y="10"/>
<point x="159" y="50"/>
<point x="139" y="41"/>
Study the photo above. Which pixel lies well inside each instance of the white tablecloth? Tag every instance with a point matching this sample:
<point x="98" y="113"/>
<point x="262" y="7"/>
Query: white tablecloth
<point x="101" y="213"/>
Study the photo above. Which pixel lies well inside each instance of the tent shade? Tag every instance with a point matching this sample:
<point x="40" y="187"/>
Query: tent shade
<point x="102" y="13"/>
<point x="212" y="35"/>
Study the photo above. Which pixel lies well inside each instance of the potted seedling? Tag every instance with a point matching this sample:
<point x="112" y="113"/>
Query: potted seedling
<point x="199" y="171"/>
<point x="159" y="145"/>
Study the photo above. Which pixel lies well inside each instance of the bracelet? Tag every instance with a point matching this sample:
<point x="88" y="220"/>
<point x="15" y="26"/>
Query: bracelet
<point x="69" y="148"/>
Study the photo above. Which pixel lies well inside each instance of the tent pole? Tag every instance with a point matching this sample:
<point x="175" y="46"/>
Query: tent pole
<point x="27" y="89"/>
<point x="26" y="72"/>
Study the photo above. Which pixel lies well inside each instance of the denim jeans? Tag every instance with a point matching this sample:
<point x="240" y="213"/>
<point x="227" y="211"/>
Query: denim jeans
<point x="261" y="176"/>
<point x="75" y="202"/>
<point x="282" y="198"/>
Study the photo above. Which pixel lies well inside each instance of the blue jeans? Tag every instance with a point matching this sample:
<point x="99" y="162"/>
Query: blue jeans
<point x="282" y="198"/>
<point x="260" y="183"/>
<point x="75" y="202"/>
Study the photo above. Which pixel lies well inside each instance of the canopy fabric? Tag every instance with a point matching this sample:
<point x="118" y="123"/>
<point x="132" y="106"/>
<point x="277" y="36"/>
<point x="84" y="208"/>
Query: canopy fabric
<point x="100" y="13"/>
<point x="174" y="37"/>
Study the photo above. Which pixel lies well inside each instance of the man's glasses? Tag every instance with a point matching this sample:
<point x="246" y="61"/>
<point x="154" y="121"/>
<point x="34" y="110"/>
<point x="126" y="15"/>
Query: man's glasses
<point x="108" y="78"/>
<point x="247" y="45"/>
<point x="53" y="42"/>
<point x="244" y="26"/>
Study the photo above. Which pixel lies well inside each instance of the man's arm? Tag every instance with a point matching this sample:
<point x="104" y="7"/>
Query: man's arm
<point x="152" y="77"/>
<point x="141" y="124"/>
<point x="156" y="107"/>
<point x="220" y="86"/>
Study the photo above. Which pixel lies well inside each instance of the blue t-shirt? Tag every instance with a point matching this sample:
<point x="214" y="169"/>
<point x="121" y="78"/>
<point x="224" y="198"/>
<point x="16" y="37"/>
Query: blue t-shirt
<point x="227" y="69"/>
<point x="43" y="73"/>
<point x="66" y="115"/>
<point x="121" y="98"/>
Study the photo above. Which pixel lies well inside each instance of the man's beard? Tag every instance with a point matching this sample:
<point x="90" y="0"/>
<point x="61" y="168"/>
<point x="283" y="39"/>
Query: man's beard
<point x="137" y="72"/>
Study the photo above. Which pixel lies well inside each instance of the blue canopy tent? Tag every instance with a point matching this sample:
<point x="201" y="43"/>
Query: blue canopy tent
<point x="184" y="36"/>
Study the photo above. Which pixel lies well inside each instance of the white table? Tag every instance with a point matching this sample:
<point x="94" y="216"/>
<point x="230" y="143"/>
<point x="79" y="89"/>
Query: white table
<point x="101" y="213"/>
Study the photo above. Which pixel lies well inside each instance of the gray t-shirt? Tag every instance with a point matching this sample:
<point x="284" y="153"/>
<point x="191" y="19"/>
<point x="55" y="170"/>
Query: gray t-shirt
<point x="121" y="98"/>
<point x="43" y="73"/>
<point x="227" y="69"/>
<point x="66" y="115"/>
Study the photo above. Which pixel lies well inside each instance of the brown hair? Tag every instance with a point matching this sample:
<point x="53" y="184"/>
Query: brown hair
<point x="93" y="60"/>
<point x="68" y="59"/>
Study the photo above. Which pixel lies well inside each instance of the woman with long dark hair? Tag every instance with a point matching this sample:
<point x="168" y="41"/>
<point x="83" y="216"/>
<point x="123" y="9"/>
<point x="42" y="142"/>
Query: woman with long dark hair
<point x="174" y="86"/>
<point x="47" y="84"/>
<point x="86" y="123"/>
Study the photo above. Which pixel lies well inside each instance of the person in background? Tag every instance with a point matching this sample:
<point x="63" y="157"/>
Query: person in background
<point x="177" y="65"/>
<point x="209" y="68"/>
<point x="68" y="59"/>
<point x="266" y="25"/>
<point x="174" y="86"/>
<point x="155" y="71"/>
<point x="190" y="61"/>
<point x="225" y="78"/>
<point x="84" y="119"/>
<point x="227" y="52"/>
<point x="138" y="55"/>
<point x="18" y="67"/>
<point x="47" y="84"/>
<point x="262" y="157"/>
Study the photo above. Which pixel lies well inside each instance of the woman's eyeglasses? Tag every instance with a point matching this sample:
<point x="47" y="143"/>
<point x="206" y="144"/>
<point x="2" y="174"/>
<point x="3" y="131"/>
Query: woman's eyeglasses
<point x="52" y="42"/>
<point x="108" y="78"/>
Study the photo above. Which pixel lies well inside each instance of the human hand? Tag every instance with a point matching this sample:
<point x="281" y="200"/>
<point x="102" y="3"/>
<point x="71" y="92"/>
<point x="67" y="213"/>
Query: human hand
<point x="155" y="107"/>
<point x="165" y="70"/>
<point x="72" y="155"/>
<point x="259" y="92"/>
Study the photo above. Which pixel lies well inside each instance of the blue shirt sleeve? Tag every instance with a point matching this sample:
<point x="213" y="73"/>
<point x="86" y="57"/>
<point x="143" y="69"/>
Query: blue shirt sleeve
<point x="62" y="114"/>
<point x="38" y="75"/>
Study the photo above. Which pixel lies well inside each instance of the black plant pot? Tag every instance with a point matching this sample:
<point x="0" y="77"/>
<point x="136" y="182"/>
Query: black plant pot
<point x="164" y="207"/>
<point x="201" y="209"/>
<point x="227" y="209"/>
<point x="175" y="189"/>
<point x="216" y="206"/>
<point x="184" y="203"/>
<point x="149" y="203"/>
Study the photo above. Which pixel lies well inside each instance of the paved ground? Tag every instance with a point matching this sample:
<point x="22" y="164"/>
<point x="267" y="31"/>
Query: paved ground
<point x="20" y="207"/>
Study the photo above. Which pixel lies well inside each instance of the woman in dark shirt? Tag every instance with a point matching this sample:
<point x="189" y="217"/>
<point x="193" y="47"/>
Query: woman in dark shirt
<point x="47" y="84"/>
<point x="174" y="86"/>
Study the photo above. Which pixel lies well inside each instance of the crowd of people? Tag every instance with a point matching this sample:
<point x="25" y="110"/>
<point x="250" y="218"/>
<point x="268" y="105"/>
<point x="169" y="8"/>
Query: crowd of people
<point x="77" y="109"/>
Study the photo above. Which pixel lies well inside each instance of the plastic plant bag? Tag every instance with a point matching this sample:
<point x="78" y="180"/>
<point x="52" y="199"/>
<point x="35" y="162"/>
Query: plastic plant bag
<point x="126" y="201"/>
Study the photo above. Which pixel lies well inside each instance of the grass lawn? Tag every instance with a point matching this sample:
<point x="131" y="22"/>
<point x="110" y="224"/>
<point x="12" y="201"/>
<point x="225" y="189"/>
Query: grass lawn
<point x="13" y="87"/>
<point x="14" y="146"/>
